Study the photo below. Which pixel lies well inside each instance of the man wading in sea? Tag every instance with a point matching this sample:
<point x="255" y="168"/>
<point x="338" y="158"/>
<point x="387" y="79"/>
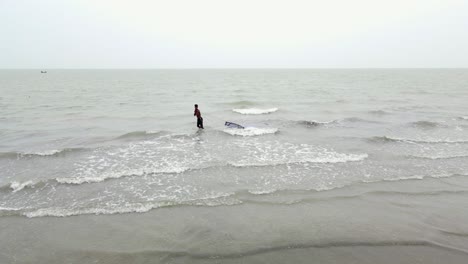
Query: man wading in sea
<point x="199" y="118"/>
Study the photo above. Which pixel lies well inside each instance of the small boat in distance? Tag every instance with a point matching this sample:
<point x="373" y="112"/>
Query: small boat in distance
<point x="43" y="71"/>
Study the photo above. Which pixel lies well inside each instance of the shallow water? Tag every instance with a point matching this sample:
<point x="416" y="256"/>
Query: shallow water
<point x="124" y="142"/>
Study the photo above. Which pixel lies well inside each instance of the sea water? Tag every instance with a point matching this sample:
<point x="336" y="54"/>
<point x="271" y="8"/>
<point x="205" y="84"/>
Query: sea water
<point x="113" y="142"/>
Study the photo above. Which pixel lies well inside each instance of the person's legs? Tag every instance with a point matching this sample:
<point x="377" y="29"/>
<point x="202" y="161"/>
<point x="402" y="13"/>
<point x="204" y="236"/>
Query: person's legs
<point x="200" y="122"/>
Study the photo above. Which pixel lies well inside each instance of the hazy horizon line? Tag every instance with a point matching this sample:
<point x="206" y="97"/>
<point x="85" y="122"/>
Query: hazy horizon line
<point x="250" y="68"/>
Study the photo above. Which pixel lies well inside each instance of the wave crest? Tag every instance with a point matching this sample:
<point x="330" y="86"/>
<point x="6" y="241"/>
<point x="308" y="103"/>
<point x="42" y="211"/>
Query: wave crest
<point x="111" y="175"/>
<point x="250" y="131"/>
<point x="43" y="153"/>
<point x="210" y="200"/>
<point x="442" y="157"/>
<point x="214" y="199"/>
<point x="254" y="111"/>
<point x="18" y="186"/>
<point x="386" y="139"/>
<point x="327" y="158"/>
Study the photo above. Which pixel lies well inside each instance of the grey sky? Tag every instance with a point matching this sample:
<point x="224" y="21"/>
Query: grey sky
<point x="241" y="33"/>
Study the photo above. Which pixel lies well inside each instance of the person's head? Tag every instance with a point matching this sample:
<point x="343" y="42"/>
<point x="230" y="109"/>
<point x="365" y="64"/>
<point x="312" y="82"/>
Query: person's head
<point x="196" y="106"/>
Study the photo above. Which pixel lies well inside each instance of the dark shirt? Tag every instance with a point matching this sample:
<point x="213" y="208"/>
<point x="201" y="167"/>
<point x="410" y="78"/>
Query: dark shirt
<point x="197" y="113"/>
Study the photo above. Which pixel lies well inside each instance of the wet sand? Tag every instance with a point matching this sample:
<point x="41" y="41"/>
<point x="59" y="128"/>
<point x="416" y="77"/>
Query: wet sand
<point x="412" y="221"/>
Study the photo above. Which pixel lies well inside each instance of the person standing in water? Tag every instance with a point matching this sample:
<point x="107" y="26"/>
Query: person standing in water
<point x="199" y="118"/>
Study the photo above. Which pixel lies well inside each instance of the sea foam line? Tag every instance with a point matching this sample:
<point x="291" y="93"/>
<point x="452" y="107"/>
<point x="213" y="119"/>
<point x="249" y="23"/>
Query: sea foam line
<point x="213" y="200"/>
<point x="338" y="158"/>
<point x="220" y="199"/>
<point x="441" y="157"/>
<point x="18" y="186"/>
<point x="434" y="141"/>
<point x="255" y="111"/>
<point x="250" y="131"/>
<point x="85" y="179"/>
<point x="129" y="173"/>
<point x="43" y="153"/>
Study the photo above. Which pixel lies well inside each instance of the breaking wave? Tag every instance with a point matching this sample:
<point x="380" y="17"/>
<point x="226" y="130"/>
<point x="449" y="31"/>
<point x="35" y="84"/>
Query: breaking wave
<point x="252" y="153"/>
<point x="43" y="153"/>
<point x="440" y="157"/>
<point x="250" y="131"/>
<point x="255" y="111"/>
<point x="94" y="178"/>
<point x="386" y="139"/>
<point x="218" y="199"/>
<point x="18" y="186"/>
<point x="325" y="157"/>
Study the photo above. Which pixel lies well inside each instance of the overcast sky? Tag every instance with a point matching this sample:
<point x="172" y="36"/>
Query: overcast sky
<point x="48" y="34"/>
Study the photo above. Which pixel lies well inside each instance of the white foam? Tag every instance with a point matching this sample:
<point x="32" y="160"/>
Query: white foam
<point x="93" y="178"/>
<point x="209" y="200"/>
<point x="64" y="212"/>
<point x="262" y="192"/>
<point x="18" y="186"/>
<point x="255" y="111"/>
<point x="250" y="131"/>
<point x="326" y="158"/>
<point x="324" y="122"/>
<point x="272" y="153"/>
<point x="427" y="140"/>
<point x="411" y="177"/>
<point x="137" y="159"/>
<point x="44" y="153"/>
<point x="9" y="209"/>
<point x="440" y="156"/>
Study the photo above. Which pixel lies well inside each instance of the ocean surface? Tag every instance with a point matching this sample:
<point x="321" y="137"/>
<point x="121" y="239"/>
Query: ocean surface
<point x="333" y="166"/>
